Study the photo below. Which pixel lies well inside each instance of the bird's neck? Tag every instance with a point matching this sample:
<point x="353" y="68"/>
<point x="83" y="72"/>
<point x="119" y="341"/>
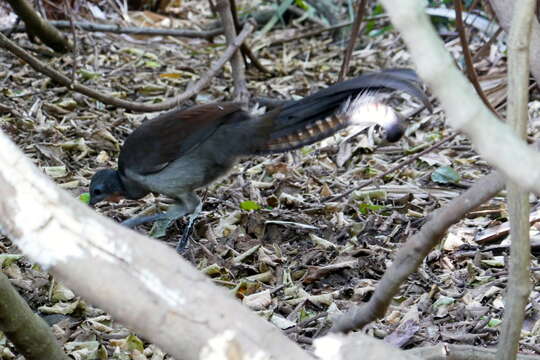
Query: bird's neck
<point x="131" y="189"/>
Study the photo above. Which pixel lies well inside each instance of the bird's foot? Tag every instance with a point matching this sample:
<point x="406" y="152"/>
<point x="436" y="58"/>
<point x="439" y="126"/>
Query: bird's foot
<point x="163" y="221"/>
<point x="160" y="227"/>
<point x="182" y="244"/>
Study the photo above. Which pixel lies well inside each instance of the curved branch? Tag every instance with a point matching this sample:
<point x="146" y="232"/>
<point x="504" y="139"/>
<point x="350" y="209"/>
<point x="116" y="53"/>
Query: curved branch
<point x="108" y="99"/>
<point x="493" y="139"/>
<point x="471" y="72"/>
<point x="416" y="249"/>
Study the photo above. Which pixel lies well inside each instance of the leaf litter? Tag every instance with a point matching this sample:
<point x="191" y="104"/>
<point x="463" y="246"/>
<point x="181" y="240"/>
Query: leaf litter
<point x="266" y="232"/>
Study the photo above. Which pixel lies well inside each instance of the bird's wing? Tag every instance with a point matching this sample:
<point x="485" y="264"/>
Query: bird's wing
<point x="161" y="140"/>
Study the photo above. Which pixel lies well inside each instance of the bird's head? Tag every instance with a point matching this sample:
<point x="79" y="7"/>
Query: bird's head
<point x="106" y="185"/>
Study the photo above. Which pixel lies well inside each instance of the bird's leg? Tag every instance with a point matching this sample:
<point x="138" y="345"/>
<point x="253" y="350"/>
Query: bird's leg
<point x="183" y="242"/>
<point x="136" y="221"/>
<point x="175" y="212"/>
<point x="185" y="204"/>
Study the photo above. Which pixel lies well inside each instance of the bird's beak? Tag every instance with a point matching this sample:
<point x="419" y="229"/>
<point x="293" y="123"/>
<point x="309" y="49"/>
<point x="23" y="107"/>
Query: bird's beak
<point x="115" y="198"/>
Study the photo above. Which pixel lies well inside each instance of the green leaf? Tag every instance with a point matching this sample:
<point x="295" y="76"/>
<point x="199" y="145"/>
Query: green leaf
<point x="301" y="4"/>
<point x="365" y="208"/>
<point x="8" y="259"/>
<point x="380" y="31"/>
<point x="134" y="343"/>
<point x="306" y="150"/>
<point x="152" y="64"/>
<point x="88" y="75"/>
<point x="85" y="198"/>
<point x="249" y="205"/>
<point x="445" y="175"/>
<point x="377" y="10"/>
<point x="494" y="323"/>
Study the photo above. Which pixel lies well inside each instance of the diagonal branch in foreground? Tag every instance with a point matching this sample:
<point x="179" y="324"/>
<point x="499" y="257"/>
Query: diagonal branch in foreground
<point x="30" y="334"/>
<point x="155" y="292"/>
<point x="415" y="250"/>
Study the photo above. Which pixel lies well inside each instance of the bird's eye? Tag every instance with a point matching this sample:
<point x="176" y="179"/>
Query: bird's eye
<point x="97" y="192"/>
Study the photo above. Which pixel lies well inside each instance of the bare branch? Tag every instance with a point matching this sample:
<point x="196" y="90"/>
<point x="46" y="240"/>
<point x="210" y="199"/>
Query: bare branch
<point x="461" y="352"/>
<point x="108" y="99"/>
<point x="31" y="335"/>
<point x="493" y="139"/>
<point x="241" y="93"/>
<point x="471" y="72"/>
<point x="82" y="249"/>
<point x="360" y="11"/>
<point x="357" y="346"/>
<point x="115" y="29"/>
<point x="417" y="247"/>
<point x="519" y="285"/>
<point x="38" y="27"/>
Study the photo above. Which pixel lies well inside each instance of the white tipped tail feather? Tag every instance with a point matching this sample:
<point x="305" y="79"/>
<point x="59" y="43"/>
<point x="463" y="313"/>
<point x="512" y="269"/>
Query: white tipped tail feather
<point x="368" y="109"/>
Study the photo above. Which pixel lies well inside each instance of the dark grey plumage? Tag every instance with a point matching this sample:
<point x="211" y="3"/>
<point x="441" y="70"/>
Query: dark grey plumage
<point x="182" y="150"/>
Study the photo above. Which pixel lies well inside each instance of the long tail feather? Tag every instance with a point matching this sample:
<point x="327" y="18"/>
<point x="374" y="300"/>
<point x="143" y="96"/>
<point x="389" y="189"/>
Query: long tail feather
<point x="305" y="121"/>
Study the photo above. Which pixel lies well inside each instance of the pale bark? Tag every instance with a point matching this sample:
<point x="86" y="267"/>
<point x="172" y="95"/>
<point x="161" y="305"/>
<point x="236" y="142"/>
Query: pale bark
<point x="519" y="285"/>
<point x="142" y="282"/>
<point x="504" y="10"/>
<point x="494" y="140"/>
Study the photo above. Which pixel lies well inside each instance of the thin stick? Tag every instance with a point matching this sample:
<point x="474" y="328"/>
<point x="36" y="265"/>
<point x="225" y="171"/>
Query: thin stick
<point x="115" y="29"/>
<point x="246" y="51"/>
<point x="75" y="51"/>
<point x="360" y="11"/>
<point x="471" y="72"/>
<point x="309" y="34"/>
<point x="241" y="93"/>
<point x="392" y="169"/>
<point x="519" y="283"/>
<point x="108" y="99"/>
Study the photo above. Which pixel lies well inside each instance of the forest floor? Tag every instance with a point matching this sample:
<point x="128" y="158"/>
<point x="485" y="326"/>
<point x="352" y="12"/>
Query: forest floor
<point x="316" y="257"/>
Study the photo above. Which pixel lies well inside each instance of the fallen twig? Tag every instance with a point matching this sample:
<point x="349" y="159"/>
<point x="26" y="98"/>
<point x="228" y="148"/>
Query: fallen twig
<point x="360" y="12"/>
<point x="132" y="30"/>
<point x="130" y="105"/>
<point x="392" y="169"/>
